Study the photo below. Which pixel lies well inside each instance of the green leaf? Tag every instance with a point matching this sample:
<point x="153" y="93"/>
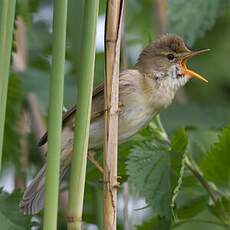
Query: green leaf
<point x="13" y="109"/>
<point x="221" y="209"/>
<point x="183" y="12"/>
<point x="193" y="115"/>
<point x="215" y="164"/>
<point x="192" y="198"/>
<point x="191" y="201"/>
<point x="10" y="216"/>
<point x="179" y="141"/>
<point x="178" y="148"/>
<point x="200" y="141"/>
<point x="148" y="168"/>
<point x="155" y="169"/>
<point x="156" y="224"/>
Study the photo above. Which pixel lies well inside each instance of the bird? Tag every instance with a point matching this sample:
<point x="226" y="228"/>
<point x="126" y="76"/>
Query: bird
<point x="144" y="91"/>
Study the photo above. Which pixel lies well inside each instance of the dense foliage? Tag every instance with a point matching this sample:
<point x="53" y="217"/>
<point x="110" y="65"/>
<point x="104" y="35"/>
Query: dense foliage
<point x="178" y="175"/>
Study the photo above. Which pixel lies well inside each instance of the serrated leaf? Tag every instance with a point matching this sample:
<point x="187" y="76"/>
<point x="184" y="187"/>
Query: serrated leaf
<point x="13" y="107"/>
<point x="155" y="169"/>
<point x="10" y="216"/>
<point x="215" y="164"/>
<point x="183" y="12"/>
<point x="149" y="170"/>
<point x="179" y="141"/>
<point x="178" y="147"/>
<point x="200" y="141"/>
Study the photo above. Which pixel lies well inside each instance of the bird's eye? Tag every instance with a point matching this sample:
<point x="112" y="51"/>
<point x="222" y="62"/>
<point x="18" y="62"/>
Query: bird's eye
<point x="170" y="56"/>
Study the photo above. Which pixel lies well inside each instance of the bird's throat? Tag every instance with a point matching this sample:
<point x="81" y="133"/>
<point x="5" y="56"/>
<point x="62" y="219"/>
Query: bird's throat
<point x="175" y="77"/>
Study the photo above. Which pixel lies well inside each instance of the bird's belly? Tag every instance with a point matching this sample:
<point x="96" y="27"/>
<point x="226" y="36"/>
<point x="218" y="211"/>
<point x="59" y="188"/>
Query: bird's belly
<point x="131" y="119"/>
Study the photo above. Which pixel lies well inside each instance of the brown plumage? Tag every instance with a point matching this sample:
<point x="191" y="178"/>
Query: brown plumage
<point x="143" y="92"/>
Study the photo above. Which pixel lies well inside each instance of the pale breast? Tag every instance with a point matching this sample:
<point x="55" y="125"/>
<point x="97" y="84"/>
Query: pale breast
<point x="135" y="114"/>
<point x="142" y="98"/>
<point x="131" y="119"/>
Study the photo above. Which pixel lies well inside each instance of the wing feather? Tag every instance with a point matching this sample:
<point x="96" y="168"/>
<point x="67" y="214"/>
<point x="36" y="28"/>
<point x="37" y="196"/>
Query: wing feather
<point x="70" y="113"/>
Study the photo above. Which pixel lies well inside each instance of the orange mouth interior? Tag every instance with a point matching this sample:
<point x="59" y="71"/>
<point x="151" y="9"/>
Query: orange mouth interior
<point x="189" y="72"/>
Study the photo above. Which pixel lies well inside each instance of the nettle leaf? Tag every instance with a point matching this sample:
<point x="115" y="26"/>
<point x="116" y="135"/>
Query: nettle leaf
<point x="149" y="170"/>
<point x="179" y="141"/>
<point x="200" y="141"/>
<point x="215" y="164"/>
<point x="155" y="169"/>
<point x="198" y="23"/>
<point x="13" y="107"/>
<point x="10" y="216"/>
<point x="179" y="145"/>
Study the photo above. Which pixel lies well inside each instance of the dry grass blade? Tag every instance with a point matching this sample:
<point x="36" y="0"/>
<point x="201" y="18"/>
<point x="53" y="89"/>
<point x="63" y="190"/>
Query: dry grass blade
<point x="112" y="56"/>
<point x="161" y="15"/>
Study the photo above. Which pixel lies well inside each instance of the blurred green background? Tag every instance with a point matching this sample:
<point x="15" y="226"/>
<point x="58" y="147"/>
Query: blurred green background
<point x="202" y="109"/>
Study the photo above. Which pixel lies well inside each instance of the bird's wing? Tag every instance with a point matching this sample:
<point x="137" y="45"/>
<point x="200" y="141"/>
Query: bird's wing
<point x="97" y="111"/>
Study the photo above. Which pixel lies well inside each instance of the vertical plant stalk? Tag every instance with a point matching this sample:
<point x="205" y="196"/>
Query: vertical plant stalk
<point x="37" y="122"/>
<point x="161" y="22"/>
<point x="161" y="15"/>
<point x="85" y="88"/>
<point x="24" y="129"/>
<point x="20" y="37"/>
<point x="55" y="115"/>
<point x="75" y="29"/>
<point x="124" y="65"/>
<point x="98" y="193"/>
<point x="126" y="206"/>
<point x="124" y="57"/>
<point x="112" y="56"/>
<point x="6" y="35"/>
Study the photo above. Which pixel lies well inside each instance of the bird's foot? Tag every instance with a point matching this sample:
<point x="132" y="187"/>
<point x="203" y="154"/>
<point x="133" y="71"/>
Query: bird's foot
<point x="120" y="107"/>
<point x="116" y="184"/>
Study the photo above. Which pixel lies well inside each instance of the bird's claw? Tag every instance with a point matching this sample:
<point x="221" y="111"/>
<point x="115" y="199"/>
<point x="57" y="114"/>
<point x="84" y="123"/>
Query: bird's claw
<point x="120" y="107"/>
<point x="116" y="185"/>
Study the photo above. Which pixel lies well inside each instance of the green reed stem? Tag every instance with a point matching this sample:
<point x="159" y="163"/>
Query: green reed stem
<point x="55" y="115"/>
<point x="7" y="16"/>
<point x="85" y="87"/>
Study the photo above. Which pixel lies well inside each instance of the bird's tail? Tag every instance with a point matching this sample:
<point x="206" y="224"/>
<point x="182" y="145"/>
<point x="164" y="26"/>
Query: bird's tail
<point x="33" y="198"/>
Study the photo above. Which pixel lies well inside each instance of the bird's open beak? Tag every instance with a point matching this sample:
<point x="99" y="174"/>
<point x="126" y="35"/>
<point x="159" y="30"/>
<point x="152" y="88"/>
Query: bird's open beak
<point x="186" y="70"/>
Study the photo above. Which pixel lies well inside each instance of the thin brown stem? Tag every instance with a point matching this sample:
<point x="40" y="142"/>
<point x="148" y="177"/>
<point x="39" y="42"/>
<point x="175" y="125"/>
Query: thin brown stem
<point x="124" y="57"/>
<point x="112" y="56"/>
<point x="161" y="15"/>
<point x="126" y="206"/>
<point x="20" y="56"/>
<point x="37" y="121"/>
<point x="24" y="129"/>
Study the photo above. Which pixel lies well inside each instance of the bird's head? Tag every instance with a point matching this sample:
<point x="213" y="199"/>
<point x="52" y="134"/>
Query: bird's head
<point x="166" y="60"/>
